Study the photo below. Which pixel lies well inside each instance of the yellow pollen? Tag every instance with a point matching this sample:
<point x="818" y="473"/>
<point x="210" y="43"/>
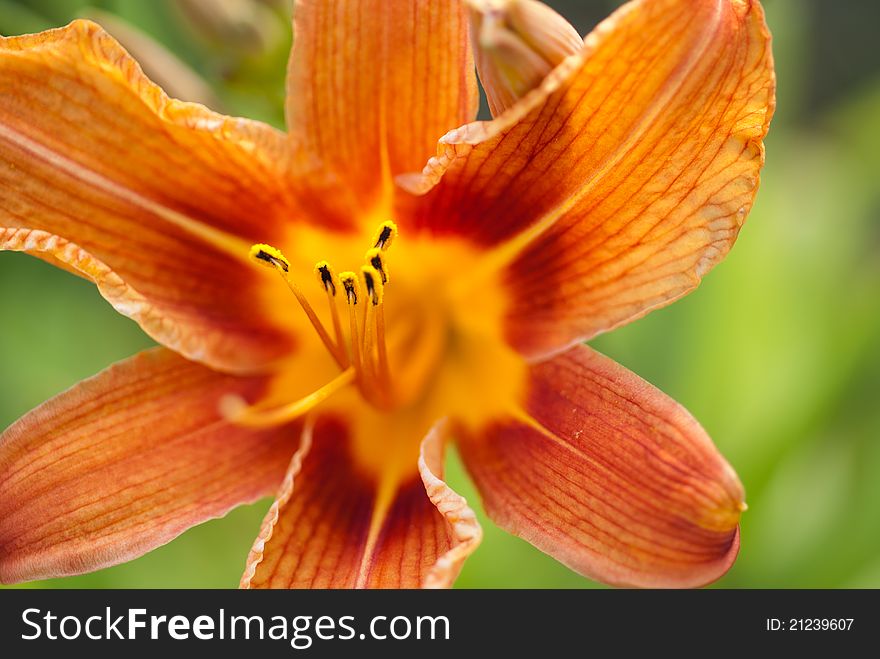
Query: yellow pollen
<point x="373" y="284"/>
<point x="268" y="255"/>
<point x="374" y="258"/>
<point x="385" y="235"/>
<point x="350" y="283"/>
<point x="326" y="277"/>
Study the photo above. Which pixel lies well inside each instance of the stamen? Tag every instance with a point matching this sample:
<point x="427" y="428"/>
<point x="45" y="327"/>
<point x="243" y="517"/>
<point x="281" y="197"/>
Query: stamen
<point x="363" y="354"/>
<point x="374" y="258"/>
<point x="373" y="283"/>
<point x="373" y="286"/>
<point x="328" y="280"/>
<point x="272" y="257"/>
<point x="325" y="277"/>
<point x="350" y="284"/>
<point x="385" y="235"/>
<point x="237" y="411"/>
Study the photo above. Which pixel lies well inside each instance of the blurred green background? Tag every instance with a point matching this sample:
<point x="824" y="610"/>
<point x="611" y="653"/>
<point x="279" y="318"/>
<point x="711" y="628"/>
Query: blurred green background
<point x="776" y="353"/>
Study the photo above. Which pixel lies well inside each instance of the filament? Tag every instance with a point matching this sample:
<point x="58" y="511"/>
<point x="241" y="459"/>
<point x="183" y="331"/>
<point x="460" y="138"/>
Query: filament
<point x="316" y="323"/>
<point x="369" y="367"/>
<point x="383" y="368"/>
<point x="362" y="355"/>
<point x="350" y="283"/>
<point x="328" y="281"/>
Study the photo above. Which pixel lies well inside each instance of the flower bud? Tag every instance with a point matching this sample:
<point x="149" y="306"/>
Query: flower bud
<point x="250" y="26"/>
<point x="516" y="44"/>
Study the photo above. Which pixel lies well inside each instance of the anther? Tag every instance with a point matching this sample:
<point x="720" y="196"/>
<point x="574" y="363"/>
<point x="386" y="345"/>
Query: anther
<point x="374" y="258"/>
<point x="373" y="284"/>
<point x="350" y="284"/>
<point x="272" y="257"/>
<point x="385" y="235"/>
<point x="328" y="281"/>
<point x="325" y="277"/>
<point x="268" y="255"/>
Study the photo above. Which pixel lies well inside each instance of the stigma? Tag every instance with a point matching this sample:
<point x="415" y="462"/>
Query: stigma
<point x="359" y="347"/>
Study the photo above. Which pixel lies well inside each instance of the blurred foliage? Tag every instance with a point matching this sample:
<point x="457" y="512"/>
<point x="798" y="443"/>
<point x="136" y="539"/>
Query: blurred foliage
<point x="776" y="353"/>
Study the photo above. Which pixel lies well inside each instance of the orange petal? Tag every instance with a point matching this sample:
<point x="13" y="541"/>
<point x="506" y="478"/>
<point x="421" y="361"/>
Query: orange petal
<point x="125" y="462"/>
<point x="624" y="178"/>
<point x="166" y="195"/>
<point x="610" y="476"/>
<point x="373" y="84"/>
<point x="328" y="529"/>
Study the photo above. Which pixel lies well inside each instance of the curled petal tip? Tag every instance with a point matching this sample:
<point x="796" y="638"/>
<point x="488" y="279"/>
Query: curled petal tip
<point x="610" y="476"/>
<point x="248" y="25"/>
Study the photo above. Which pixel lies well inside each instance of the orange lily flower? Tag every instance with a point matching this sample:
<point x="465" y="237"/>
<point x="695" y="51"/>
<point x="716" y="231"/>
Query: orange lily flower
<point x="473" y="280"/>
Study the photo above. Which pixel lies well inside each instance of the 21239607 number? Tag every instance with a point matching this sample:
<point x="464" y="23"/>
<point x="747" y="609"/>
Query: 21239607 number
<point x="809" y="624"/>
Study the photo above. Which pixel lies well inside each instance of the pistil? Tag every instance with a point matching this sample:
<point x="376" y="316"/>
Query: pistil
<point x="239" y="412"/>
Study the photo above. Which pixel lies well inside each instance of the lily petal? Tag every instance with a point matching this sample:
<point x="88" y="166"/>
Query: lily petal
<point x="329" y="528"/>
<point x="125" y="462"/>
<point x="610" y="476"/>
<point x="613" y="188"/>
<point x="166" y="195"/>
<point x="359" y="97"/>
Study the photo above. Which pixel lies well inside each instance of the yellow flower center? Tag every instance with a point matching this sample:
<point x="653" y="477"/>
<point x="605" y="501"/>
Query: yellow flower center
<point x="415" y="330"/>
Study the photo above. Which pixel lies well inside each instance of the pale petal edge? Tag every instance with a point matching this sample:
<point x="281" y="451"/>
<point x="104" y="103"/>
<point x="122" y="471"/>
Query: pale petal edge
<point x="466" y="531"/>
<point x="124" y="299"/>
